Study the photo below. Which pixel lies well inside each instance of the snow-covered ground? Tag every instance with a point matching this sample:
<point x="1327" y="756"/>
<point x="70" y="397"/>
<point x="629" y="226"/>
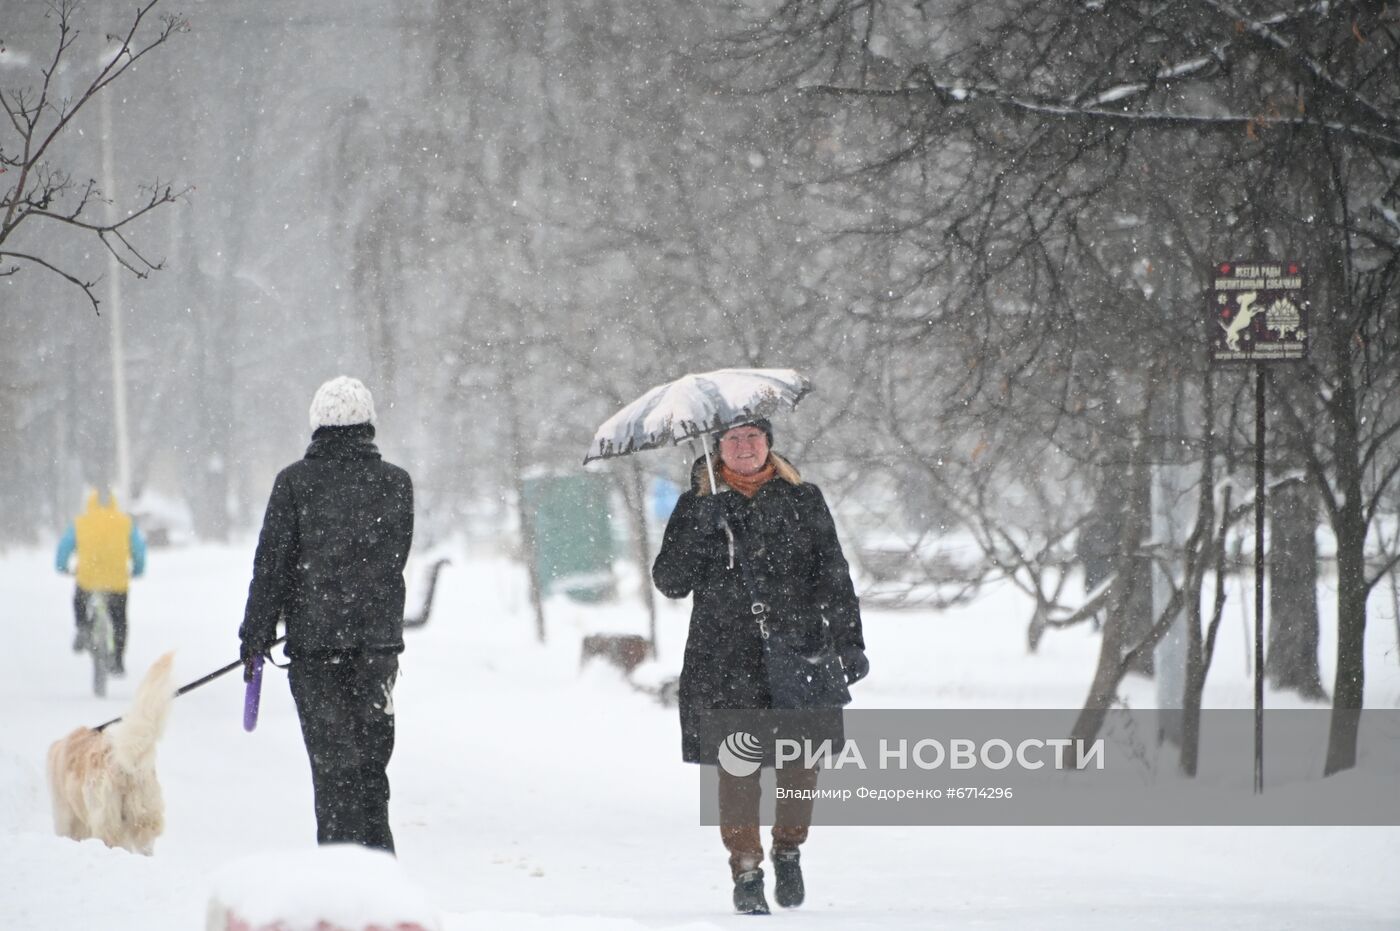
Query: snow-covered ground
<point x="531" y="793"/>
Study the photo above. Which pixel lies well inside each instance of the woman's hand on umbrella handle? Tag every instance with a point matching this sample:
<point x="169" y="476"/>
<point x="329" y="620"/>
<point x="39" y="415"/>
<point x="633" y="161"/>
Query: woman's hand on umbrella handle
<point x="709" y="514"/>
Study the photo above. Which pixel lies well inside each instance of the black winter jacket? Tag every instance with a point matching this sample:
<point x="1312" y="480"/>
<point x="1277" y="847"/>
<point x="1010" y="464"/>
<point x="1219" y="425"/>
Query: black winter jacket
<point x="800" y="572"/>
<point x="332" y="550"/>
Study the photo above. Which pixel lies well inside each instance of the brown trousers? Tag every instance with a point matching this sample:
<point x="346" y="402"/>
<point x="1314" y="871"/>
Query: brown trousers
<point x="738" y="815"/>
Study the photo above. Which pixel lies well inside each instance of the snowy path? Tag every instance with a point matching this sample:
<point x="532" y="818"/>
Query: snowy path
<point x="531" y="795"/>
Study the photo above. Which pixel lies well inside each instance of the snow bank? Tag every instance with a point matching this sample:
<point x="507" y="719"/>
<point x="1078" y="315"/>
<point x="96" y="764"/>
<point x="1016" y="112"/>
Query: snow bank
<point x="335" y="888"/>
<point x="24" y="804"/>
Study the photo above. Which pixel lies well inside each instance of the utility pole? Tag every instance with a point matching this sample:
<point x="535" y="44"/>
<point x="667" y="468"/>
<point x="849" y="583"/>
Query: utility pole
<point x="120" y="427"/>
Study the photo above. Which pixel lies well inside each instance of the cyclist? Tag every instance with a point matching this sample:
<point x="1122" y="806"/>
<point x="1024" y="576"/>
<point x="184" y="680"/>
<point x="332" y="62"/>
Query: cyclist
<point x="106" y="541"/>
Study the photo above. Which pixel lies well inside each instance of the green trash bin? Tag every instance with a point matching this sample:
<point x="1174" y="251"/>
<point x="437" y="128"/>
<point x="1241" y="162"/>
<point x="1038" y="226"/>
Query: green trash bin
<point x="574" y="546"/>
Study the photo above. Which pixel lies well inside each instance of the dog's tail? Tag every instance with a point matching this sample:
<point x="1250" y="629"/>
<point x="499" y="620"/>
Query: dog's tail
<point x="133" y="738"/>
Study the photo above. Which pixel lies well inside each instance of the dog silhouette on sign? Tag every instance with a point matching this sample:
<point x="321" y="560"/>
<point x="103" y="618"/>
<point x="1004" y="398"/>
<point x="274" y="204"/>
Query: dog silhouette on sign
<point x="1241" y="321"/>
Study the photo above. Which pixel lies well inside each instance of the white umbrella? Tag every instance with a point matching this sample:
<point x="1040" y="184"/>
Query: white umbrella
<point x="694" y="405"/>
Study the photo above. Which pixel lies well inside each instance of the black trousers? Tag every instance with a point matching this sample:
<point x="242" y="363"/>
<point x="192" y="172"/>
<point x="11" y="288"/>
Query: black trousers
<point x="116" y="606"/>
<point x="345" y="702"/>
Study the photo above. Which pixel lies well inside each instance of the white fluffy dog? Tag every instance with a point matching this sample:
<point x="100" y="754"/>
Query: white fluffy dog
<point x="103" y="783"/>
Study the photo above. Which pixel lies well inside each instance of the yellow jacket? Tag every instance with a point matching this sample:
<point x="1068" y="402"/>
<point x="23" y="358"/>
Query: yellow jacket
<point x="108" y="547"/>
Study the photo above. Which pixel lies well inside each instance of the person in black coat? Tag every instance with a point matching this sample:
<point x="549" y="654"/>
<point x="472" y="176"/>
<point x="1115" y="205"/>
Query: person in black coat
<point x="770" y="583"/>
<point x="329" y="565"/>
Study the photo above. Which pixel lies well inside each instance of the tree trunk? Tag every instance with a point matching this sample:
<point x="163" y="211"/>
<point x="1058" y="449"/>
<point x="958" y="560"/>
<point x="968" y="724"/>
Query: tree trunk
<point x="1137" y="614"/>
<point x="1196" y="669"/>
<point x="1293" y="624"/>
<point x="522" y="506"/>
<point x="634" y="493"/>
<point x="1350" y="685"/>
<point x="1200" y="649"/>
<point x="1104" y="547"/>
<point x="1350" y="528"/>
<point x="1118" y="630"/>
<point x="1107" y="674"/>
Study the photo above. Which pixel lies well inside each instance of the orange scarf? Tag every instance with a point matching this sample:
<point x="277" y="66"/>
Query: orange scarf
<point x="748" y="485"/>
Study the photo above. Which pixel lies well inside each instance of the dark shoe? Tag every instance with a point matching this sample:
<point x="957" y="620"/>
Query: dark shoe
<point x="79" y="640"/>
<point x="787" y="878"/>
<point x="748" y="894"/>
<point x="118" y="667"/>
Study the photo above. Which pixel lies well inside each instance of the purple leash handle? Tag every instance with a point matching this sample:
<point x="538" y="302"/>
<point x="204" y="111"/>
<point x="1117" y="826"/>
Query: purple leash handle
<point x="252" y="695"/>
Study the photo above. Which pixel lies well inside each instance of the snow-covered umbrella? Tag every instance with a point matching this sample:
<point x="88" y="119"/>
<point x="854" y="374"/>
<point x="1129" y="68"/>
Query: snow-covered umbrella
<point x="694" y="405"/>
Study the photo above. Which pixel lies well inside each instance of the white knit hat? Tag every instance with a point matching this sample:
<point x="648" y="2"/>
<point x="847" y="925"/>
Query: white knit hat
<point x="341" y="402"/>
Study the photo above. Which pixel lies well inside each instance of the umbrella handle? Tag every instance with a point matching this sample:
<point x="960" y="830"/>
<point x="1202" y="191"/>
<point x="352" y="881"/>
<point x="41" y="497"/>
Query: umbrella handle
<point x="710" y="466"/>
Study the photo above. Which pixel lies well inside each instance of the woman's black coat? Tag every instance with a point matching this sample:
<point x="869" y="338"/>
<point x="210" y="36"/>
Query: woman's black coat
<point x="331" y="554"/>
<point x="800" y="573"/>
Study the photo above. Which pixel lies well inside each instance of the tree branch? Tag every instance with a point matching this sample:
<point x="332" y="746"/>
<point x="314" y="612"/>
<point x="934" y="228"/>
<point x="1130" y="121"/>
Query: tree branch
<point x="86" y="286"/>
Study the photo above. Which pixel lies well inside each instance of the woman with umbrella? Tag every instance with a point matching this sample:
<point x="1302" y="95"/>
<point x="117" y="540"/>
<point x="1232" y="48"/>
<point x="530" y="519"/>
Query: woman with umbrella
<point x="775" y="624"/>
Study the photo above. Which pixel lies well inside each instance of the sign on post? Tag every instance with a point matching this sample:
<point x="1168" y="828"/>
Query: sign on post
<point x="1258" y="313"/>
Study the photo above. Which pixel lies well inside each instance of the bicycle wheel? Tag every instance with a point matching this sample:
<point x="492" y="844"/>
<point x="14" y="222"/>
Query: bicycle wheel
<point x="100" y="642"/>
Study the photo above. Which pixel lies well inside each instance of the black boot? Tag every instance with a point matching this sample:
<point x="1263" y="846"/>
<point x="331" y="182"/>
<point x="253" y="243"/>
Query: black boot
<point x="80" y="640"/>
<point x="787" y="878"/>
<point x="748" y="894"/>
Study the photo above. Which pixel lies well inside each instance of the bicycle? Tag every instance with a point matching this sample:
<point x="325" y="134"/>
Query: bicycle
<point x="101" y="641"/>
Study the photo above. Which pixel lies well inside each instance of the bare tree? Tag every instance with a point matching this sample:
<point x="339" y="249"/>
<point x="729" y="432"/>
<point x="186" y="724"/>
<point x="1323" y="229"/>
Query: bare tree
<point x="38" y="121"/>
<point x="593" y="218"/>
<point x="1023" y="142"/>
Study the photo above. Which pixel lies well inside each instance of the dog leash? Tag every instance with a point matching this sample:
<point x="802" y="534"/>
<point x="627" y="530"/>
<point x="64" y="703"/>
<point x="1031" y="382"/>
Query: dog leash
<point x="202" y="680"/>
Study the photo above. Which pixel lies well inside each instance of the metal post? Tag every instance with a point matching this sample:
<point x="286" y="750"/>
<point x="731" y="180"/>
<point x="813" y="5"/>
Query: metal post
<point x="121" y="482"/>
<point x="1258" y="578"/>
